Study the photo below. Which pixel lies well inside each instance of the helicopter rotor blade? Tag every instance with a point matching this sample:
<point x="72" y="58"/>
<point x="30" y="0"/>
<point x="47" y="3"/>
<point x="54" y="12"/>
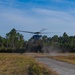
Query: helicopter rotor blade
<point x="41" y="32"/>
<point x="49" y="32"/>
<point x="26" y="31"/>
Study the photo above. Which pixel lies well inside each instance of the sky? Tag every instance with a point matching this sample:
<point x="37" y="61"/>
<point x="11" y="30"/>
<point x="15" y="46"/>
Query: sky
<point x="34" y="15"/>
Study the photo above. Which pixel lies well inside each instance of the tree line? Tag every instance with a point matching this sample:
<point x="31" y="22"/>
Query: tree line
<point x="65" y="43"/>
<point x="12" y="42"/>
<point x="15" y="42"/>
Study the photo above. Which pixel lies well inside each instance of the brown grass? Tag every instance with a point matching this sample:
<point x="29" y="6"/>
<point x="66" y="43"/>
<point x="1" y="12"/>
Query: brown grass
<point x="69" y="59"/>
<point x="18" y="64"/>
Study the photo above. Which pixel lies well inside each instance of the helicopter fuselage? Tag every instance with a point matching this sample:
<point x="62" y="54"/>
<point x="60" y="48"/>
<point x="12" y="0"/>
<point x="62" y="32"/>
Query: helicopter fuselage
<point x="36" y="37"/>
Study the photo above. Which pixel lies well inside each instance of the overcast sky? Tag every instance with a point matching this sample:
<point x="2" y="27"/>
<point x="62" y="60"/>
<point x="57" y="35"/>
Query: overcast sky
<point x="34" y="15"/>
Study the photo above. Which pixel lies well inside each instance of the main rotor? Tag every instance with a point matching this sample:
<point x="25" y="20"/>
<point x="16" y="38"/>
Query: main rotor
<point x="37" y="33"/>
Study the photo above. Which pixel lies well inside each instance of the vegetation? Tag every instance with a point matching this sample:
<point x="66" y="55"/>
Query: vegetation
<point x="14" y="42"/>
<point x="19" y="64"/>
<point x="70" y="58"/>
<point x="64" y="43"/>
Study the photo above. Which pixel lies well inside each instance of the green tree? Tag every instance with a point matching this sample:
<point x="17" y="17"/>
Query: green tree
<point x="14" y="40"/>
<point x="2" y="43"/>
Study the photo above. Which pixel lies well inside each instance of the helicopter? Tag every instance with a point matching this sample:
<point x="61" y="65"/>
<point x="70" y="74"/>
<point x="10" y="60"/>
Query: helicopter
<point x="35" y="44"/>
<point x="36" y="36"/>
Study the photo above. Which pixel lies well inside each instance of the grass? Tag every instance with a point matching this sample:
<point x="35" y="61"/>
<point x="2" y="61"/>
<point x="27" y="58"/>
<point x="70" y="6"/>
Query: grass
<point x="69" y="58"/>
<point x="19" y="64"/>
